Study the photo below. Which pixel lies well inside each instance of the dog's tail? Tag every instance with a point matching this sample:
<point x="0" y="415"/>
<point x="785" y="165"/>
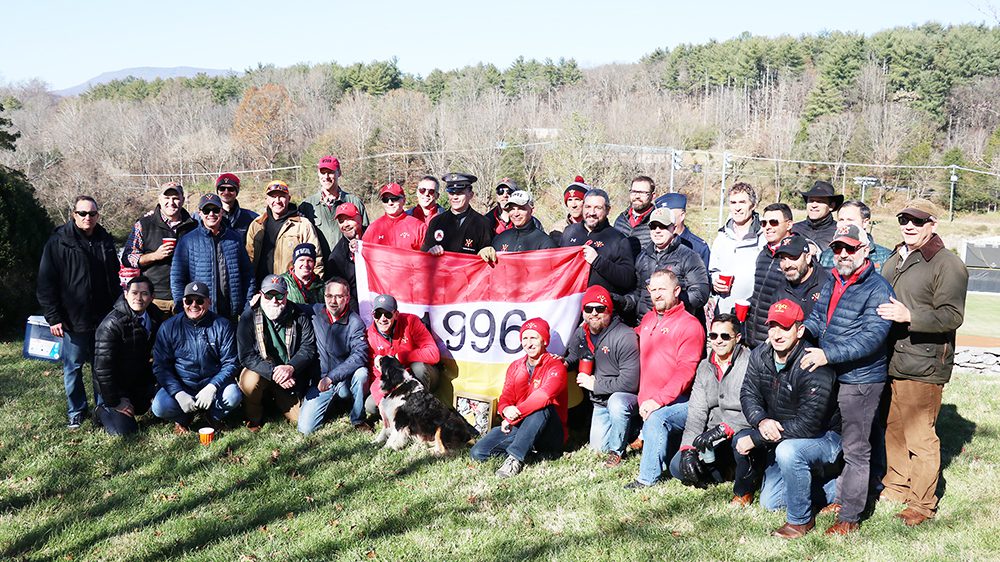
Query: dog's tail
<point x="439" y="448"/>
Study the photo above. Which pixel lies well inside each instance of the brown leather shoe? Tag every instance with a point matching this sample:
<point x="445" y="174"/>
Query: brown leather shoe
<point x="613" y="460"/>
<point x="364" y="427"/>
<point x="742" y="501"/>
<point x="180" y="429"/>
<point x="832" y="508"/>
<point x="911" y="517"/>
<point x="791" y="531"/>
<point x="842" y="528"/>
<point x="252" y="426"/>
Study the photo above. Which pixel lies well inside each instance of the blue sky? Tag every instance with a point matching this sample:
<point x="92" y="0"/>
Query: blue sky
<point x="67" y="42"/>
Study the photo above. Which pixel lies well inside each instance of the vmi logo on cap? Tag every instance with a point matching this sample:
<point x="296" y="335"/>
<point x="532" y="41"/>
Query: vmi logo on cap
<point x="195" y="287"/>
<point x="780" y="307"/>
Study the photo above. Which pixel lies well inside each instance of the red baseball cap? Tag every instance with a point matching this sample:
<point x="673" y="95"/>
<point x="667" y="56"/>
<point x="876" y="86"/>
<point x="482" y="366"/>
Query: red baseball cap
<point x="785" y="313"/>
<point x="347" y="210"/>
<point x="328" y="162"/>
<point x="392" y="189"/>
<point x="849" y="234"/>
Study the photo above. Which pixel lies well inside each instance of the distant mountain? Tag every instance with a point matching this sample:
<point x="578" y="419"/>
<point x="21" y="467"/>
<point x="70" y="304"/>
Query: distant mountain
<point x="145" y="73"/>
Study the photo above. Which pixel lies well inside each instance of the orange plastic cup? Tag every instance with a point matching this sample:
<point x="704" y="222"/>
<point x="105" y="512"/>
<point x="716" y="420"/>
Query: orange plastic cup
<point x="206" y="435"/>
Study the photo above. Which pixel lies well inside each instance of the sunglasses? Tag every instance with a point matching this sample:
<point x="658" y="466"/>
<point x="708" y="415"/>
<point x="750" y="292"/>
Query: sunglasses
<point x="232" y="188"/>
<point x="772" y="222"/>
<point x="658" y="226"/>
<point x="504" y="191"/>
<point x="274" y="296"/>
<point x="393" y="198"/>
<point x="838" y="248"/>
<point x="595" y="309"/>
<point x="86" y="213"/>
<point x="194" y="300"/>
<point x="903" y="219"/>
<point x="426" y="191"/>
<point x="211" y="211"/>
<point x="723" y="336"/>
<point x="380" y="314"/>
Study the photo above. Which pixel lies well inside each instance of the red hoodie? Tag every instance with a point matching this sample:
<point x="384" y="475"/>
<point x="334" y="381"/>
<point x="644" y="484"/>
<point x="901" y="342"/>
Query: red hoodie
<point x="670" y="348"/>
<point x="401" y="231"/>
<point x="530" y="393"/>
<point x="411" y="343"/>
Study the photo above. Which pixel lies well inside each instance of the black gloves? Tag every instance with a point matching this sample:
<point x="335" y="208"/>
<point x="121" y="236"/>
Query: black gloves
<point x="710" y="437"/>
<point x="690" y="468"/>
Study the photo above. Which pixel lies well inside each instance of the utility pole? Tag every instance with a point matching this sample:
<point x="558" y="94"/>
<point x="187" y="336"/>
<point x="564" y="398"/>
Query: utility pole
<point x="951" y="200"/>
<point x="722" y="188"/>
<point x="675" y="164"/>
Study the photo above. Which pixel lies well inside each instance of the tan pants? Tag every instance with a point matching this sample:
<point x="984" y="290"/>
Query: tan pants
<point x="166" y="306"/>
<point x="255" y="388"/>
<point x="912" y="447"/>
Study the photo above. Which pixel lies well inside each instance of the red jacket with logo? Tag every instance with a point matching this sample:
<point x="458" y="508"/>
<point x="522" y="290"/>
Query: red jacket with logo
<point x="411" y="342"/>
<point x="401" y="231"/>
<point x="670" y="348"/>
<point x="532" y="392"/>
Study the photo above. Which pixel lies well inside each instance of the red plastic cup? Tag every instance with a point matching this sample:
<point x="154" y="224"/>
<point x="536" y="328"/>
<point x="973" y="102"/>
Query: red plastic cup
<point x="726" y="280"/>
<point x="586" y="366"/>
<point x="742" y="308"/>
<point x="170" y="241"/>
<point x="206" y="435"/>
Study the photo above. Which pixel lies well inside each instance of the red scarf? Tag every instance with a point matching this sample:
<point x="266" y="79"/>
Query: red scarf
<point x="840" y="287"/>
<point x="634" y="219"/>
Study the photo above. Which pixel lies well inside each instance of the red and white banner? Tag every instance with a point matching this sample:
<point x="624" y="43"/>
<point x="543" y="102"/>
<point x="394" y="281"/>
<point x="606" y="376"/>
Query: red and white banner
<point x="474" y="309"/>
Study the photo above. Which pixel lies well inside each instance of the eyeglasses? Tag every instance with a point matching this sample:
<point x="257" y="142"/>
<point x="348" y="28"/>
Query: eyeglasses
<point x="211" y="211"/>
<point x="86" y="213"/>
<point x="194" y="300"/>
<point x="504" y="191"/>
<point x="393" y="198"/>
<point x="380" y="314"/>
<point x="658" y="226"/>
<point x="772" y="222"/>
<point x="723" y="336"/>
<point x="637" y="192"/>
<point x="838" y="248"/>
<point x="227" y="188"/>
<point x="595" y="309"/>
<point x="903" y="219"/>
<point x="426" y="190"/>
<point x="274" y="296"/>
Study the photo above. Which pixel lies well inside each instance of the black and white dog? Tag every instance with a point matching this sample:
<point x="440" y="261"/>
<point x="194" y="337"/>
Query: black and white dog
<point x="410" y="411"/>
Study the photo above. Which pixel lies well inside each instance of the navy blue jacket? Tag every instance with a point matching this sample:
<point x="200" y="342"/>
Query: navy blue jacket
<point x="614" y="268"/>
<point x="855" y="339"/>
<point x="693" y="241"/>
<point x="342" y="345"/>
<point x="189" y="355"/>
<point x="768" y="279"/>
<point x="195" y="260"/>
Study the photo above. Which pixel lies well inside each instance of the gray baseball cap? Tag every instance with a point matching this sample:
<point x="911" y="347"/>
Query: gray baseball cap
<point x="274" y="283"/>
<point x="385" y="302"/>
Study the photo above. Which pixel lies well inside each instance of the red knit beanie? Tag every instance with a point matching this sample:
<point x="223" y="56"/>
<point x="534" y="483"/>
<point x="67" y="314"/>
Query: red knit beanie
<point x="600" y="295"/>
<point x="538" y="325"/>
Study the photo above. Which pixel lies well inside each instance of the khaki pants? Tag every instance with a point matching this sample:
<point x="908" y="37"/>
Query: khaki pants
<point x="912" y="447"/>
<point x="166" y="306"/>
<point x="256" y="388"/>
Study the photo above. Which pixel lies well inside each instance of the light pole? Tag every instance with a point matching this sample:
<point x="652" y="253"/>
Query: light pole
<point x="951" y="200"/>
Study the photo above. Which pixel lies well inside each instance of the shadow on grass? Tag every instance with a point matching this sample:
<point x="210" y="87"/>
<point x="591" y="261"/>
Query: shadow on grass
<point x="955" y="432"/>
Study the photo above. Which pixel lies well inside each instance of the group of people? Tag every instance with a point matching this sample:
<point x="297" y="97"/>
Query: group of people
<point x="820" y="376"/>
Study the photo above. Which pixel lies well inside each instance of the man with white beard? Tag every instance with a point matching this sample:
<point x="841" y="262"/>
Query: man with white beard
<point x="277" y="348"/>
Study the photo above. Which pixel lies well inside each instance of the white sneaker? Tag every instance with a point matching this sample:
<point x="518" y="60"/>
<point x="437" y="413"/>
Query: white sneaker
<point x="510" y="467"/>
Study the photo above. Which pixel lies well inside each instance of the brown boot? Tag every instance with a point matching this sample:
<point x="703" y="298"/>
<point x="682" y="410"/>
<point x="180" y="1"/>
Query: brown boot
<point x="742" y="501"/>
<point x="613" y="460"/>
<point x="792" y="531"/>
<point x="911" y="517"/>
<point x="832" y="508"/>
<point x="180" y="429"/>
<point x="842" y="528"/>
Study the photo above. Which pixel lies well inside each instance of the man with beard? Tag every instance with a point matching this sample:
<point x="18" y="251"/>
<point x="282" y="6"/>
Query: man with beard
<point x="342" y="256"/>
<point x="671" y="342"/>
<point x="395" y="228"/>
<point x="525" y="234"/>
<point x="803" y="277"/>
<point x="821" y="202"/>
<point x="320" y="208"/>
<point x="634" y="222"/>
<point x="123" y="345"/>
<point x="792" y="413"/>
<point x="273" y="236"/>
<point x="735" y="249"/>
<point x="851" y="338"/>
<point x="150" y="246"/>
<point x="612" y="349"/>
<point x="612" y="265"/>
<point x="573" y="198"/>
<point x="194" y="361"/>
<point x="860" y="215"/>
<point x="777" y="221"/>
<point x="461" y="229"/>
<point x="304" y="286"/>
<point x="427" y="196"/>
<point x="278" y="352"/>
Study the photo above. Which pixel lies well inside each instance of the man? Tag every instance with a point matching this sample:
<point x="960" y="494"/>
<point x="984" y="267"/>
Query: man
<point x="665" y="251"/>
<point x="793" y="416"/>
<point x="821" y="202"/>
<point x="851" y="338"/>
<point x="499" y="218"/>
<point x="321" y="207"/>
<point x="215" y="254"/>
<point x="612" y="264"/>
<point x="677" y="202"/>
<point x="860" y="215"/>
<point x="304" y="286"/>
<point x="613" y="350"/>
<point x="633" y="223"/>
<point x="671" y="342"/>
<point x="524" y="234"/>
<point x="77" y="286"/>
<point x="573" y="199"/>
<point x="278" y="352"/>
<point x="342" y="256"/>
<point x="404" y="337"/>
<point x="462" y="229"/>
<point x="802" y="276"/>
<point x="777" y="223"/>
<point x="150" y="246"/>
<point x="227" y="186"/>
<point x="122" y="371"/>
<point x="273" y="236"/>
<point x="343" y="359"/>
<point x="194" y="361"/>
<point x="427" y="196"/>
<point x="930" y="285"/>
<point x="532" y="405"/>
<point x="395" y="228"/>
<point x="735" y="249"/>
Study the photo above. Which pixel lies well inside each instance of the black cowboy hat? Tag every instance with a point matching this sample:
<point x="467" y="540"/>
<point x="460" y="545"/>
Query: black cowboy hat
<point x="824" y="189"/>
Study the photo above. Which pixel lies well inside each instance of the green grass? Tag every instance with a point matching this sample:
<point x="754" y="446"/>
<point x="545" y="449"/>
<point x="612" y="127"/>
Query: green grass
<point x="981" y="314"/>
<point x="278" y="495"/>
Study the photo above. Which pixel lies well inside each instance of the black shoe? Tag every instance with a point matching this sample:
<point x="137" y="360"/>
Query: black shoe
<point x="636" y="485"/>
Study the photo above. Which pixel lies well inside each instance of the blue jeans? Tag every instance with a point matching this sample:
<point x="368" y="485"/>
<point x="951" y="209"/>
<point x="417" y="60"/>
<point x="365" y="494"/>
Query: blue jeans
<point x="166" y="407"/>
<point x="788" y="479"/>
<point x="613" y="426"/>
<point x="77" y="349"/>
<point x="540" y="431"/>
<point x="315" y="404"/>
<point x="664" y="425"/>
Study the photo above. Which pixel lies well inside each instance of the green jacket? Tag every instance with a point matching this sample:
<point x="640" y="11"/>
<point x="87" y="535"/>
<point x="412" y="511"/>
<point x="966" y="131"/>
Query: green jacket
<point x="322" y="217"/>
<point x="312" y="295"/>
<point x="932" y="283"/>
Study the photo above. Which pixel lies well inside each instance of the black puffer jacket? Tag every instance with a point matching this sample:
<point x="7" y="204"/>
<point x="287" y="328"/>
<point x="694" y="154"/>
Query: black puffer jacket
<point x="123" y="351"/>
<point x="614" y="268"/>
<point x="805" y="403"/>
<point x="524" y="239"/>
<point x="807" y="292"/>
<point x="685" y="263"/>
<point x="78" y="278"/>
<point x="768" y="278"/>
<point x="821" y="231"/>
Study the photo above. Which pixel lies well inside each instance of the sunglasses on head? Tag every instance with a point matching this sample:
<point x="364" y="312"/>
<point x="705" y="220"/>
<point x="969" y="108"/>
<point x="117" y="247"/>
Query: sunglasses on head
<point x="595" y="308"/>
<point x="723" y="336"/>
<point x="211" y="211"/>
<point x="504" y="190"/>
<point x="380" y="314"/>
<point x="658" y="226"/>
<point x="903" y="219"/>
<point x="86" y="213"/>
<point x="227" y="188"/>
<point x="274" y="296"/>
<point x="194" y="300"/>
<point x="772" y="222"/>
<point x="393" y="198"/>
<point x="838" y="248"/>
